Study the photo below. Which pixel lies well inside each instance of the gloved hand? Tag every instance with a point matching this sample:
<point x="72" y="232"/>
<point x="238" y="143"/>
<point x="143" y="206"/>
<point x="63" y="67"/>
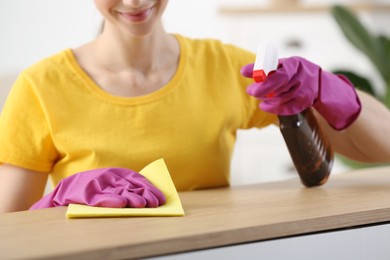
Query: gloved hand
<point x="104" y="187"/>
<point x="298" y="84"/>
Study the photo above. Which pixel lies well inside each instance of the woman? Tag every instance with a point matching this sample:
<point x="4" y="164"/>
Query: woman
<point x="137" y="93"/>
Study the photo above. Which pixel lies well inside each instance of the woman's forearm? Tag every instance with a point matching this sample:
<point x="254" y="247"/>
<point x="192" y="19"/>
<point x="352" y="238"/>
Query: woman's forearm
<point x="368" y="138"/>
<point x="20" y="188"/>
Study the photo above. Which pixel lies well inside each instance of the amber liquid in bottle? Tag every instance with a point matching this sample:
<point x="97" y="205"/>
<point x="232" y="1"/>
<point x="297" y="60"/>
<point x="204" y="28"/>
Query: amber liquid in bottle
<point x="309" y="148"/>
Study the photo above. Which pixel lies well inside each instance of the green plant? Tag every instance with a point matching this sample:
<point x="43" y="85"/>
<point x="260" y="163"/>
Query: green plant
<point x="375" y="47"/>
<point x="377" y="50"/>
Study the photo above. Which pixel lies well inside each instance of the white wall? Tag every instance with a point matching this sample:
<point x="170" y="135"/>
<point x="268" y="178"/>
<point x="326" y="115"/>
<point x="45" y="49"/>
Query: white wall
<point x="31" y="30"/>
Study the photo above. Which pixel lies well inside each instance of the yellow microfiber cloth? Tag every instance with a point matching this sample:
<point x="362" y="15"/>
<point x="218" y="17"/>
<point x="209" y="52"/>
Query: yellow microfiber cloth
<point x="158" y="174"/>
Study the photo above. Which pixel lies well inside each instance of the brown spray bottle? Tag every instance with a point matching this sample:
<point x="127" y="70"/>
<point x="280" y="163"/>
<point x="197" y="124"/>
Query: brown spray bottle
<point x="309" y="148"/>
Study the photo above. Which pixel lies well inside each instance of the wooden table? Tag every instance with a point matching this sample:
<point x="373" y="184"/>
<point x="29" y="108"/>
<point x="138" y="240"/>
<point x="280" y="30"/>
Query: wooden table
<point x="218" y="217"/>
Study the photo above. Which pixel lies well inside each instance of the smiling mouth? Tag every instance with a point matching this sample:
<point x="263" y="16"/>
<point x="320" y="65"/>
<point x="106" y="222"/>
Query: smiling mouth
<point x="136" y="16"/>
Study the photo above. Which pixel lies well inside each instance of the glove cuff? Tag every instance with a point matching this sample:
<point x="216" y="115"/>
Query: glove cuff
<point x="337" y="100"/>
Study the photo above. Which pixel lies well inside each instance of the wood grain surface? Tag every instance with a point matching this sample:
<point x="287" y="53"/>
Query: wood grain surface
<point x="218" y="217"/>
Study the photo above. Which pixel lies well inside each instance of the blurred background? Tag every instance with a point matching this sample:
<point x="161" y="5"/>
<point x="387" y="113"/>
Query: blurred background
<point x="32" y="30"/>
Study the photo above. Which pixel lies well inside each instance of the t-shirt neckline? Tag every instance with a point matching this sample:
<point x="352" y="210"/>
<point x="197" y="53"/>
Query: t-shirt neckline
<point x="92" y="86"/>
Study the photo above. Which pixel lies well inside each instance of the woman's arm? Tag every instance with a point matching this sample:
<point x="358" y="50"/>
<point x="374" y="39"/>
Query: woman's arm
<point x="367" y="139"/>
<point x="20" y="188"/>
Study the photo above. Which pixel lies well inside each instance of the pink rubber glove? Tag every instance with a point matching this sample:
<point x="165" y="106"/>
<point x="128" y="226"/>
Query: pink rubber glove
<point x="298" y="84"/>
<point x="105" y="187"/>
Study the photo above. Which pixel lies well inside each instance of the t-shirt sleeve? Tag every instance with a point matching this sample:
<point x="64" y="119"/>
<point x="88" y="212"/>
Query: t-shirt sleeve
<point x="25" y="138"/>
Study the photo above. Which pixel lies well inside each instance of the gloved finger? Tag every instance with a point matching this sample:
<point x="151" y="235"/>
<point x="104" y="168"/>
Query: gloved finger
<point x="157" y="193"/>
<point x="284" y="94"/>
<point x="275" y="83"/>
<point x="274" y="109"/>
<point x="151" y="200"/>
<point x="109" y="200"/>
<point x="133" y="184"/>
<point x="155" y="197"/>
<point x="284" y="107"/>
<point x="252" y="88"/>
<point x="294" y="96"/>
<point x="147" y="185"/>
<point x="133" y="179"/>
<point x="247" y="70"/>
<point x="134" y="200"/>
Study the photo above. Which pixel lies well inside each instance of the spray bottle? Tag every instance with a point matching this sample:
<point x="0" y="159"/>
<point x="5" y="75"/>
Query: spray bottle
<point x="309" y="148"/>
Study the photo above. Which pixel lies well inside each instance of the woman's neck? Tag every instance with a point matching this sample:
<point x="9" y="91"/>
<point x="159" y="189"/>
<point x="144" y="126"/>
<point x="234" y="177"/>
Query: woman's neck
<point x="142" y="53"/>
<point x="131" y="66"/>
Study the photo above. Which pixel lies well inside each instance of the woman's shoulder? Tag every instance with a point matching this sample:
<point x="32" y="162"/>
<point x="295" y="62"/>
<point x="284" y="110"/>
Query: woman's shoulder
<point x="51" y="72"/>
<point x="211" y="43"/>
<point x="215" y="49"/>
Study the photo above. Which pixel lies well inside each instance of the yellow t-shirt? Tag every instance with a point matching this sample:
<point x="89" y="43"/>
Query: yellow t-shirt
<point x="57" y="120"/>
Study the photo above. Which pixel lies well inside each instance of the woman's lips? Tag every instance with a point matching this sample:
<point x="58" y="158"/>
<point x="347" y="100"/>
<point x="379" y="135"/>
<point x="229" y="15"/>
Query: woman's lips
<point x="136" y="16"/>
